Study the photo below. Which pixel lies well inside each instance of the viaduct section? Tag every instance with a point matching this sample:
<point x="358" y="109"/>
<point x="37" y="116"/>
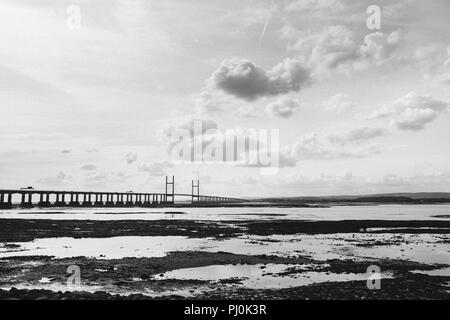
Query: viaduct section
<point x="53" y="198"/>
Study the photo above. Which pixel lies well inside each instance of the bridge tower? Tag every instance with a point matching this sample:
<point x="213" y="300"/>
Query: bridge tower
<point x="170" y="195"/>
<point x="195" y="187"/>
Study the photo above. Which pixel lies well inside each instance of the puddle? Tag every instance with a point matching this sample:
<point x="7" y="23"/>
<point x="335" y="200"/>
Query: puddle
<point x="105" y="248"/>
<point x="261" y="276"/>
<point x="423" y="248"/>
<point x="444" y="272"/>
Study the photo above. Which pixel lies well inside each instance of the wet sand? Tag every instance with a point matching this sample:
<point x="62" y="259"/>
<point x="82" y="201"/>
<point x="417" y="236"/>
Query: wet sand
<point x="124" y="278"/>
<point x="190" y="274"/>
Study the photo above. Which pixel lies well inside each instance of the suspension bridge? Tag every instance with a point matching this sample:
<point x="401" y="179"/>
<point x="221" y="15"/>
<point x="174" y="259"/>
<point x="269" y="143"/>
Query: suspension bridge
<point x="30" y="197"/>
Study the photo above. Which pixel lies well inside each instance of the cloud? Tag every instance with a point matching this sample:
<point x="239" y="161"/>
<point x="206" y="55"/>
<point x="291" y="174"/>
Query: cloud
<point x="246" y="112"/>
<point x="356" y="135"/>
<point x="335" y="48"/>
<point x="156" y="168"/>
<point x="66" y="151"/>
<point x="415" y="119"/>
<point x="243" y="79"/>
<point x="412" y="111"/>
<point x="283" y="107"/>
<point x="131" y="157"/>
<point x="379" y="47"/>
<point x="340" y="102"/>
<point x="88" y="167"/>
<point x="207" y="103"/>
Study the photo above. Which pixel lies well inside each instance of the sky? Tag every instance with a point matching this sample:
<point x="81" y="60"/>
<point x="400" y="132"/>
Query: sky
<point x="94" y="92"/>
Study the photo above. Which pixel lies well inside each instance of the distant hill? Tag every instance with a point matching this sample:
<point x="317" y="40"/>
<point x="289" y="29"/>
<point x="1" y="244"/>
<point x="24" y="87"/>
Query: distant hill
<point x="419" y="197"/>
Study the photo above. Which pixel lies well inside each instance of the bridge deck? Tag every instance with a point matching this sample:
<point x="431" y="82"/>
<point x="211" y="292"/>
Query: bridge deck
<point x="112" y="198"/>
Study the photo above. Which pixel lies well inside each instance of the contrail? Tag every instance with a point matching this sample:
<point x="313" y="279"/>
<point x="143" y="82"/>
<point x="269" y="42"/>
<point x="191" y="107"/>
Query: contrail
<point x="266" y="23"/>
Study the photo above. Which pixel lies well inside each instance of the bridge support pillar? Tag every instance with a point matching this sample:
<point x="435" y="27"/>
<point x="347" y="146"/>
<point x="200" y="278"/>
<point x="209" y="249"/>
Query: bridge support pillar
<point x="26" y="200"/>
<point x="44" y="200"/>
<point x="98" y="200"/>
<point x="119" y="200"/>
<point x="60" y="200"/>
<point x="86" y="200"/>
<point x="138" y="201"/>
<point x="5" y="201"/>
<point x="129" y="202"/>
<point x="74" y="200"/>
<point x="147" y="202"/>
<point x="109" y="200"/>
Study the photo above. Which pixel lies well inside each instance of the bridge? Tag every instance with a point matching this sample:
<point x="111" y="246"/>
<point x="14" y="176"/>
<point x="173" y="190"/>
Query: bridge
<point x="58" y="198"/>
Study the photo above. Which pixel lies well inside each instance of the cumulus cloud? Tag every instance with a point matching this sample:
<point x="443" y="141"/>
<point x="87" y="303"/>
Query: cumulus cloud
<point x="88" y="167"/>
<point x="131" y="157"/>
<point x="335" y="48"/>
<point x="415" y="119"/>
<point x="379" y="47"/>
<point x="357" y="135"/>
<point x="207" y="103"/>
<point x="412" y="111"/>
<point x="283" y="107"/>
<point x="156" y="169"/>
<point x="339" y="102"/>
<point x="243" y="79"/>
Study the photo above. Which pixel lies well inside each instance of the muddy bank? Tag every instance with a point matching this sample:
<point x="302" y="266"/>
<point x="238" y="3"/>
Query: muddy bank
<point x="346" y="226"/>
<point x="21" y="230"/>
<point x="408" y="287"/>
<point x="33" y="268"/>
<point x="412" y="287"/>
<point x="130" y="275"/>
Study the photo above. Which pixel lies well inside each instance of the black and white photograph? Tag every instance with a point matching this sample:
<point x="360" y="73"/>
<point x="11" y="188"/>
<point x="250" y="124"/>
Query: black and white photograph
<point x="187" y="151"/>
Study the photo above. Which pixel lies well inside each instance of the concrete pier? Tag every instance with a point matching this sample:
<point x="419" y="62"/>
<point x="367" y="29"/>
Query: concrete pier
<point x="6" y="201"/>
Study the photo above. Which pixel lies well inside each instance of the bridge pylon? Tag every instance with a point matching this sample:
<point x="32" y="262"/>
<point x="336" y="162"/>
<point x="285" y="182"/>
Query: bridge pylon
<point x="170" y="195"/>
<point x="195" y="187"/>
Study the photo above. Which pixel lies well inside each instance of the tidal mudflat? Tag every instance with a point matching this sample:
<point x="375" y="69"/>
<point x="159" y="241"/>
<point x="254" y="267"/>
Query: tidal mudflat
<point x="205" y="253"/>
